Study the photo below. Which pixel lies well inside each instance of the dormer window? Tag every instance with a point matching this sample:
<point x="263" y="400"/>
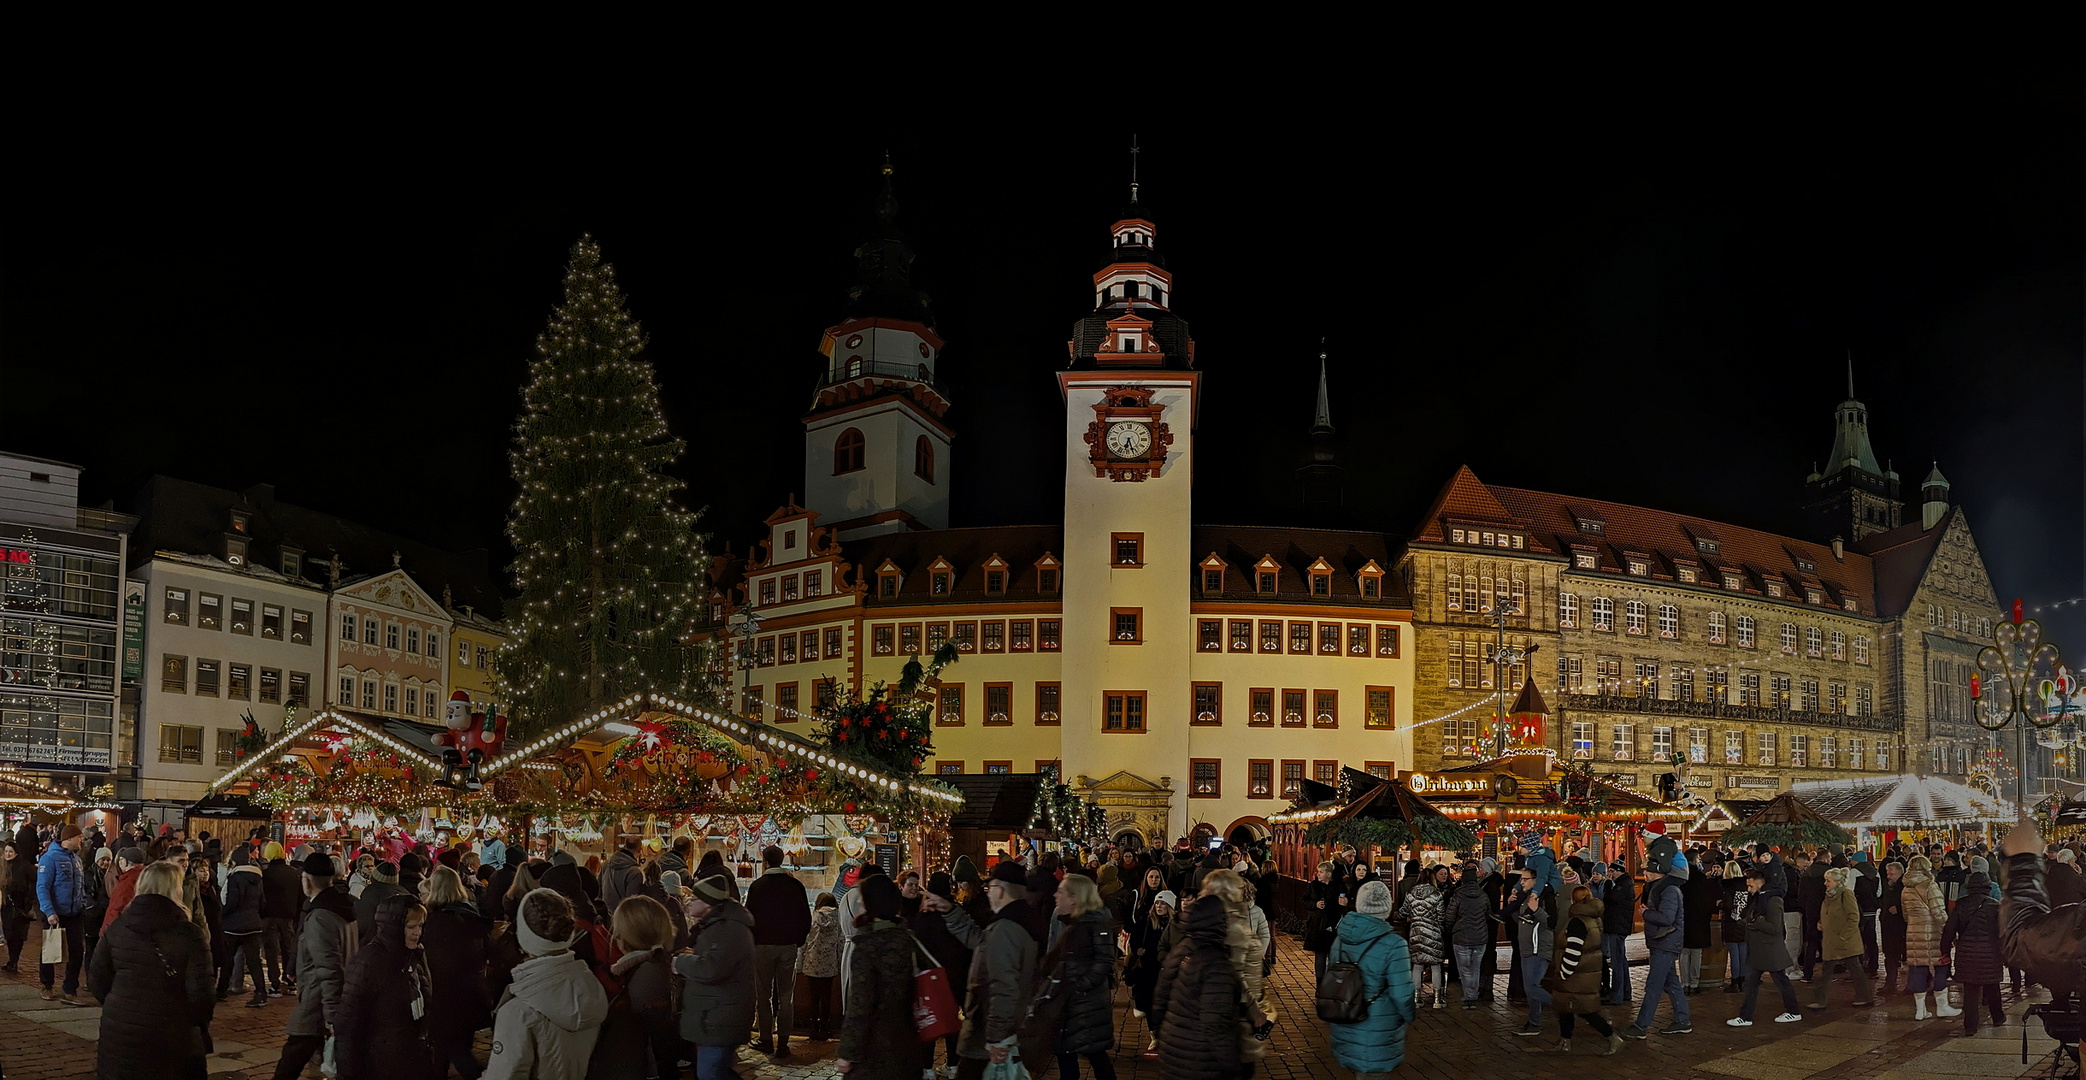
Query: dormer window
<point x="1807" y="566"/>
<point x="1707" y="547"/>
<point x="1267" y="574"/>
<point x="1731" y="582"/>
<point x="1814" y="596"/>
<point x="1267" y="583"/>
<point x="239" y="519"/>
<point x="1585" y="560"/>
<point x="887" y="580"/>
<point x="1638" y="568"/>
<point x="1687" y="574"/>
<point x="995" y="576"/>
<point x="1592" y="525"/>
<point x="938" y="583"/>
<point x="1370" y="580"/>
<point x="1129" y="343"/>
<point x="1774" y="589"/>
<point x="1047" y="571"/>
<point x="292" y="563"/>
<point x="1213" y="581"/>
<point x="1850" y="605"/>
<point x="1321" y="579"/>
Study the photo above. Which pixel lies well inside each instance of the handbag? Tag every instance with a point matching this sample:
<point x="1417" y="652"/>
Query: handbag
<point x="934" y="1003"/>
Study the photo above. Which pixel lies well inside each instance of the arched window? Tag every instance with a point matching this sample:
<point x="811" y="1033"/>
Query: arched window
<point x="847" y="452"/>
<point x="923" y="459"/>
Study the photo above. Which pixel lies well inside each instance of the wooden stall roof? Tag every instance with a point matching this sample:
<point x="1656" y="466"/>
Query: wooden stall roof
<point x="1912" y="801"/>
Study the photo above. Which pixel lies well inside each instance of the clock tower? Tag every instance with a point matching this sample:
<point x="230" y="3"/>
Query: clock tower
<point x="876" y="449"/>
<point x="1130" y="399"/>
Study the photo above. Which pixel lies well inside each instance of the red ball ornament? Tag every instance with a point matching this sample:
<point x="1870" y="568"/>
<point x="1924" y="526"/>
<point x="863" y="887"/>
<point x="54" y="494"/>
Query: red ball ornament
<point x="811" y="774"/>
<point x="916" y="763"/>
<point x="848" y="808"/>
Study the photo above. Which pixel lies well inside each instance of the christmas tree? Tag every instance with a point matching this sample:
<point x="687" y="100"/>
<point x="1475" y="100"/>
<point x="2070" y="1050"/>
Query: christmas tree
<point x="608" y="565"/>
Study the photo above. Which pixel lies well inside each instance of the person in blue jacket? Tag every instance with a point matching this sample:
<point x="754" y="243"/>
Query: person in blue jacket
<point x="1375" y="1044"/>
<point x="61" y="892"/>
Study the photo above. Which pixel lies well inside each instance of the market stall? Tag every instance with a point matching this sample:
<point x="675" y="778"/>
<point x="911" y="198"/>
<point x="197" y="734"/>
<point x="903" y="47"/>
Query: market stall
<point x="1886" y="809"/>
<point x="1375" y="815"/>
<point x="1573" y="811"/>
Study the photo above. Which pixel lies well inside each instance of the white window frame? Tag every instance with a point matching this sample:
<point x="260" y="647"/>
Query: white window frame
<point x="1622" y="742"/>
<point x="1746" y="631"/>
<point x="1716" y="628"/>
<point x="1734" y="747"/>
<point x="1582" y="739"/>
<point x="1769" y="748"/>
<point x="1698" y="746"/>
<point x="1799" y="750"/>
<point x="1669" y="621"/>
<point x="1661" y="743"/>
<point x="1568" y="609"/>
<point x="1603" y="614"/>
<point x="1633" y="617"/>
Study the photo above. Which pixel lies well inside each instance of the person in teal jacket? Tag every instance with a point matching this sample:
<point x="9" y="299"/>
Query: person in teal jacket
<point x="1374" y="1045"/>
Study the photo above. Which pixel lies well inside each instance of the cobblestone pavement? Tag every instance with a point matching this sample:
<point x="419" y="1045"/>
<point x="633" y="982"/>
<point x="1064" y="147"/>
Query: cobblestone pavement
<point x="42" y="1040"/>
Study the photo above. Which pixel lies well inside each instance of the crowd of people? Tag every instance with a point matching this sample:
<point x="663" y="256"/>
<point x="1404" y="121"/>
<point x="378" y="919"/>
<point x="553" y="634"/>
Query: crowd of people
<point x="650" y="963"/>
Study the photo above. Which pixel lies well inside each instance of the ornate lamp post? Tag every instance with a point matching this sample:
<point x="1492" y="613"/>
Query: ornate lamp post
<point x="1503" y="658"/>
<point x="2007" y="687"/>
<point x="744" y="626"/>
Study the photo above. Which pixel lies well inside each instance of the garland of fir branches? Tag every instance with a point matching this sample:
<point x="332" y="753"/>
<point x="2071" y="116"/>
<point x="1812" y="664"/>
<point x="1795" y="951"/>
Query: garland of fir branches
<point x="1390" y="834"/>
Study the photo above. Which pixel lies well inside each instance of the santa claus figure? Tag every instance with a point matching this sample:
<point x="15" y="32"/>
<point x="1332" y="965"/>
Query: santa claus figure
<point x="470" y="739"/>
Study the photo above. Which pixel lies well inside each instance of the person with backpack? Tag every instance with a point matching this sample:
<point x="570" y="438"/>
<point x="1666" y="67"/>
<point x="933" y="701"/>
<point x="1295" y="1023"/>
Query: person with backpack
<point x="1368" y="1028"/>
<point x="1663" y="920"/>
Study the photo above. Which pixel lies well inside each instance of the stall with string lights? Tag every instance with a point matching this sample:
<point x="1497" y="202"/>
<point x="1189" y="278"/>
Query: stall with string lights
<point x="1370" y="813"/>
<point x="1570" y="808"/>
<point x="1883" y="810"/>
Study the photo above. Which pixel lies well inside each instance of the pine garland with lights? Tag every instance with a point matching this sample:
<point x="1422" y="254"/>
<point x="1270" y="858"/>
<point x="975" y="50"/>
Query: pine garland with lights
<point x="892" y="729"/>
<point x="607" y="565"/>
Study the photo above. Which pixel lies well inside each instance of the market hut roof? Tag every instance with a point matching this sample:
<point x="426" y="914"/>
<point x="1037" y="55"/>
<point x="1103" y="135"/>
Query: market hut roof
<point x="1900" y="801"/>
<point x="412" y="742"/>
<point x="22" y="791"/>
<point x="1000" y="801"/>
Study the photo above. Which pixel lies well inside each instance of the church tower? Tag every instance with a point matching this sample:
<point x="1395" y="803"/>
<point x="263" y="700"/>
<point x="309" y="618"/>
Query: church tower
<point x="876" y="451"/>
<point x="1321" y="482"/>
<point x="1853" y="496"/>
<point x="1130" y="392"/>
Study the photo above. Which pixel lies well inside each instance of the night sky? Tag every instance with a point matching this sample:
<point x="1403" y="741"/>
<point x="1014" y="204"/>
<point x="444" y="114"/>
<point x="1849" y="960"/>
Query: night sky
<point x="1614" y="289"/>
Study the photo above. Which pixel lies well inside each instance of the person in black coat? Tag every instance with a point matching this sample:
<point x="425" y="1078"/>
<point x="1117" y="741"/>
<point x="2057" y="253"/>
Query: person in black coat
<point x="1892" y="919"/>
<point x="1868" y="894"/>
<point x="20" y="905"/>
<point x="1618" y="922"/>
<point x="1082" y="967"/>
<point x="1322" y="911"/>
<point x="380" y="1029"/>
<point x="932" y="931"/>
<point x="381" y="884"/>
<point x="1972" y="931"/>
<point x="282" y="900"/>
<point x="1196" y="1006"/>
<point x="877" y="1036"/>
<point x="152" y="975"/>
<point x="1699" y="897"/>
<point x="1735" y="900"/>
<point x="455" y="941"/>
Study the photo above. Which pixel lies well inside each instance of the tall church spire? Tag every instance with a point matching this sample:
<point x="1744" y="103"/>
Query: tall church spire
<point x="1321" y="481"/>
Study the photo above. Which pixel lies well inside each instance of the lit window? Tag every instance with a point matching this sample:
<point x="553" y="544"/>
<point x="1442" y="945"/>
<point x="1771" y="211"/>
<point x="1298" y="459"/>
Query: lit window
<point x="1662" y="744"/>
<point x="1813" y="642"/>
<point x="1582" y="738"/>
<point x="1209" y="704"/>
<point x="1603" y="613"/>
<point x="1745" y="631"/>
<point x="1767" y="748"/>
<point x="1734" y="748"/>
<point x="1716" y="628"/>
<point x="1861" y="650"/>
<point x="1633" y="617"/>
<point x="1622" y="742"/>
<point x="1789" y="639"/>
<point x="1799" y="750"/>
<point x="1669" y="621"/>
<point x="1698" y="745"/>
<point x="1585" y="560"/>
<point x="1568" y="610"/>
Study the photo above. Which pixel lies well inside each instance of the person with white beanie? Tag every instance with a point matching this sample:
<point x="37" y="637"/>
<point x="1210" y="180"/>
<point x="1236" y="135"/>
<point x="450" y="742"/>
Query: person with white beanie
<point x="547" y="1027"/>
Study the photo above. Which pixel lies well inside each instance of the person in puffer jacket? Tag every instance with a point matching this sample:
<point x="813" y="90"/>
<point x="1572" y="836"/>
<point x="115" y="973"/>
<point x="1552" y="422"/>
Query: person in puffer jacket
<point x="1972" y="931"/>
<point x="1925" y="914"/>
<point x="717" y="1003"/>
<point x="878" y="1040"/>
<point x="1469" y="928"/>
<point x="1663" y="921"/>
<point x="1246" y="934"/>
<point x="1375" y="1044"/>
<point x="152" y="976"/>
<point x="820" y="962"/>
<point x="1573" y="980"/>
<point x="547" y="1026"/>
<point x="241" y="921"/>
<point x="1082" y="964"/>
<point x="1196" y="1008"/>
<point x="1425" y="931"/>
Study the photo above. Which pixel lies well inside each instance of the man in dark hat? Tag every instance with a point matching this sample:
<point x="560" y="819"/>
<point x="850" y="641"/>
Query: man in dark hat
<point x="717" y="1006"/>
<point x="1002" y="967"/>
<point x="325" y="942"/>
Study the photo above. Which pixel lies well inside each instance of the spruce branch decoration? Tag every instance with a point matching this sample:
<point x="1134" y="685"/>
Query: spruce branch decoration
<point x="608" y="563"/>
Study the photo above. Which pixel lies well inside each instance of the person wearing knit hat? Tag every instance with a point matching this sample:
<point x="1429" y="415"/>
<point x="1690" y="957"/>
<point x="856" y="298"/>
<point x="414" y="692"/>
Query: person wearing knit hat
<point x="1374" y="1045"/>
<point x="551" y="1019"/>
<point x="717" y="1006"/>
<point x="963" y="870"/>
<point x="999" y="978"/>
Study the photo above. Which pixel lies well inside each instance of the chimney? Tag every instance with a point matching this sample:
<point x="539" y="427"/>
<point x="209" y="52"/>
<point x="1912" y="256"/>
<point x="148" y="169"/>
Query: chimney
<point x="1839" y="550"/>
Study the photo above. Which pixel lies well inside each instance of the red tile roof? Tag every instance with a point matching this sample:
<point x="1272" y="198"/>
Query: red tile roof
<point x="1901" y="557"/>
<point x="1662" y="537"/>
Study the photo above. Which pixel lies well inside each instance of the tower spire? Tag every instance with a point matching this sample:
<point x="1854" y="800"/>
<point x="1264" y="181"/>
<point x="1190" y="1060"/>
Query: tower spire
<point x="887" y="203"/>
<point x="1324" y="417"/>
<point x="1850" y="374"/>
<point x="1133" y="168"/>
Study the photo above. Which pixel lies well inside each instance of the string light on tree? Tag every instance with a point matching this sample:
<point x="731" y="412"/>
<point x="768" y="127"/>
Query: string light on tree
<point x="607" y="563"/>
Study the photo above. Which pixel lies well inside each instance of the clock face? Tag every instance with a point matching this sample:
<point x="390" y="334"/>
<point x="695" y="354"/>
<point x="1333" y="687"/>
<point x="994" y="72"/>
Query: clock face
<point x="1128" y="439"/>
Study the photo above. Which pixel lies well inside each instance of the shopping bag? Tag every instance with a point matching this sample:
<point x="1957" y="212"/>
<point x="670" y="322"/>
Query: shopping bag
<point x="1010" y="1069"/>
<point x="53" y="944"/>
<point x="934" y="1003"/>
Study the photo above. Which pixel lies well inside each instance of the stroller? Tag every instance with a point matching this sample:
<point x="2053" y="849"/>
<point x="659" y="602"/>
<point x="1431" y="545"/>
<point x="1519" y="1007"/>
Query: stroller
<point x="2063" y="1022"/>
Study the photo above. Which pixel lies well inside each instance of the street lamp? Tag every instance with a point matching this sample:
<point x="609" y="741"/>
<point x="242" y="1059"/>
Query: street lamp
<point x="744" y="625"/>
<point x="1502" y="658"/>
<point x="2008" y="685"/>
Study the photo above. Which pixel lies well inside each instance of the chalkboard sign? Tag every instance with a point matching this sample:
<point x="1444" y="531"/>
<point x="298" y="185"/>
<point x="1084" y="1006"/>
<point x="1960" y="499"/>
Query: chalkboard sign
<point x="887" y="857"/>
<point x="1489" y="845"/>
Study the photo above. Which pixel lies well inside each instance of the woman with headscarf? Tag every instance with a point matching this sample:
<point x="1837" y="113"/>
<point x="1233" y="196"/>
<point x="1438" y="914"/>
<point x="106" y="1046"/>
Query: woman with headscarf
<point x="1839" y="933"/>
<point x="1925" y="914"/>
<point x="152" y="975"/>
<point x="380" y="1025"/>
<point x="877" y="1037"/>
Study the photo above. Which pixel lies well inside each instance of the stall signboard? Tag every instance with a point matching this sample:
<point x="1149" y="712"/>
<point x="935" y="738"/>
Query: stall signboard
<point x="887" y="857"/>
<point x="1468" y="786"/>
<point x="133" y="629"/>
